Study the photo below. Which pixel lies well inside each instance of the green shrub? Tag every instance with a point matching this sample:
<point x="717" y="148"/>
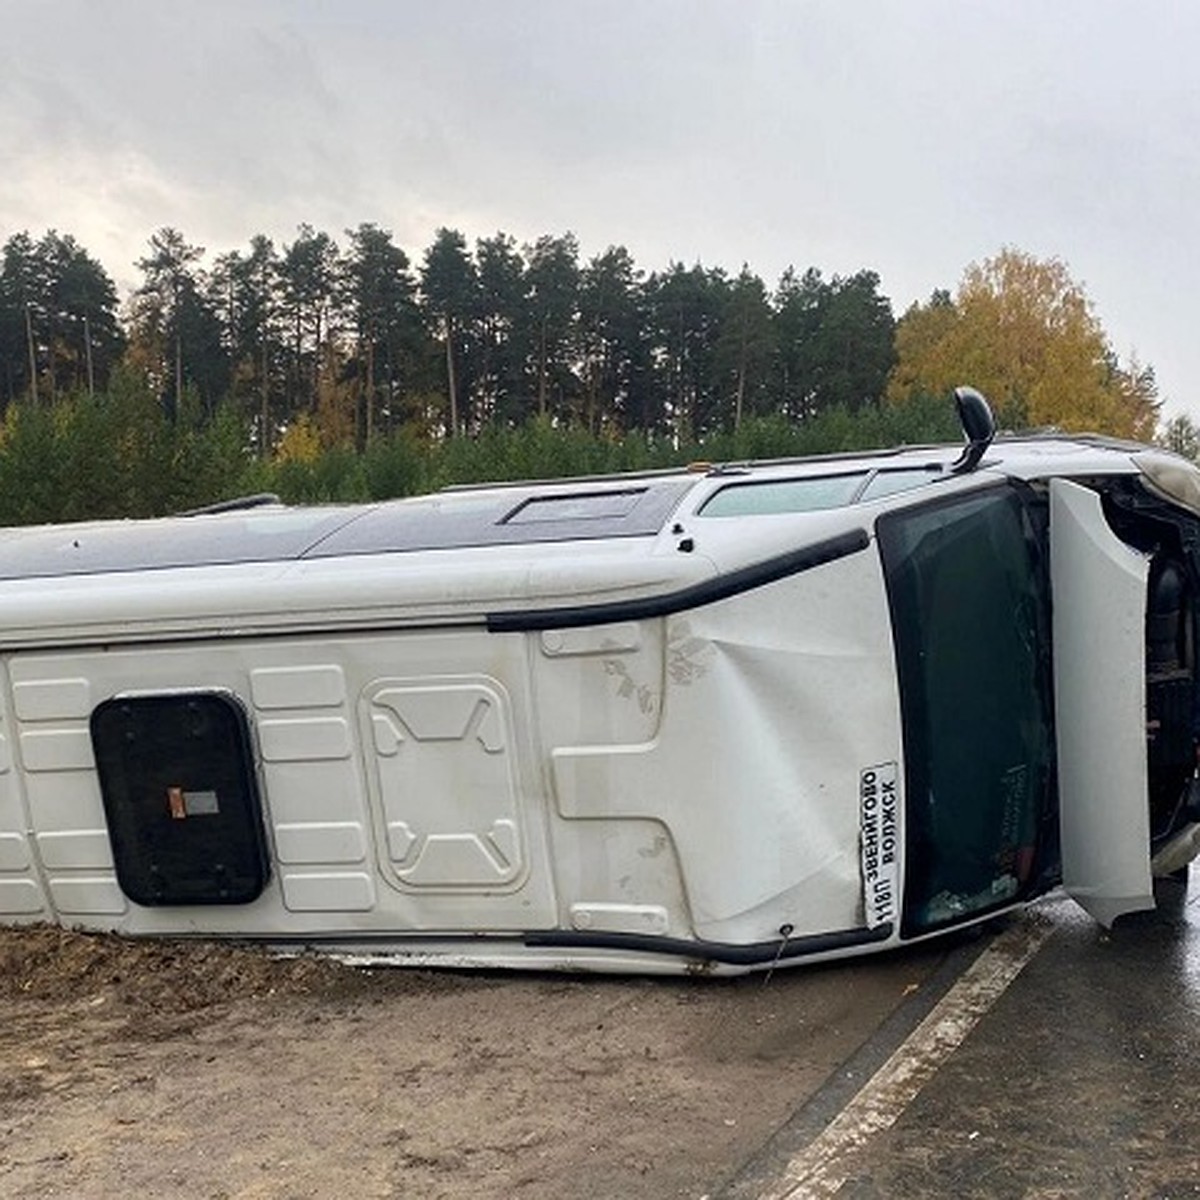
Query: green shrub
<point x="119" y="455"/>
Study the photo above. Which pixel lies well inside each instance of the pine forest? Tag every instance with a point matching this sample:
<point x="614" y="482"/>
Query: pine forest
<point x="342" y="369"/>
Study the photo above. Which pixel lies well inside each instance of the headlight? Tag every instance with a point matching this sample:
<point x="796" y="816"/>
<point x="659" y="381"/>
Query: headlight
<point x="1172" y="477"/>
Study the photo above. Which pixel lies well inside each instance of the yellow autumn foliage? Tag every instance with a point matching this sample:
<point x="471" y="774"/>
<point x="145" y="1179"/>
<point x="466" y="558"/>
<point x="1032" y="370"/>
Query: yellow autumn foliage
<point x="301" y="443"/>
<point x="1024" y="332"/>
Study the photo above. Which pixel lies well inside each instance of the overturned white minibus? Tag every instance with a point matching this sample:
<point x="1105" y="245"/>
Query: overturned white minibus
<point x="706" y="720"/>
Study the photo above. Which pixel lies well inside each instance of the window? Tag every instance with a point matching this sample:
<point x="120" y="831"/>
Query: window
<point x="970" y="616"/>
<point x="814" y="493"/>
<point x="783" y="496"/>
<point x="888" y="483"/>
<point x="590" y="506"/>
<point x="180" y="792"/>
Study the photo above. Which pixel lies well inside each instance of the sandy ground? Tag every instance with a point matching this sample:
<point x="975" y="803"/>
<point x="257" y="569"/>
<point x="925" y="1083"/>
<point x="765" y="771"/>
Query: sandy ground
<point x="189" y="1070"/>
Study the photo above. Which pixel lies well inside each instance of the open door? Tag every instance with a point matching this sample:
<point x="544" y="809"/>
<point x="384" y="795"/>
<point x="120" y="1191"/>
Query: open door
<point x="1099" y="589"/>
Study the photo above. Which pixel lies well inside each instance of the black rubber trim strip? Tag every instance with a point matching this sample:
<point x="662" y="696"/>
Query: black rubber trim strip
<point x="708" y="592"/>
<point x="720" y="952"/>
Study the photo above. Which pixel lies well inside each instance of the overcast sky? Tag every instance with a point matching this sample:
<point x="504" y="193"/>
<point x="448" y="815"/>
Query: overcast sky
<point x="910" y="138"/>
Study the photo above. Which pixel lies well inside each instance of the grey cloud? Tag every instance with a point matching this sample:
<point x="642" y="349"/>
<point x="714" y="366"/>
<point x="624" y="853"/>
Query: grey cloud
<point x="911" y="138"/>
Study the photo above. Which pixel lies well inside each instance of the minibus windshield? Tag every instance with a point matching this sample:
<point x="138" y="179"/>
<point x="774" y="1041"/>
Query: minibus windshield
<point x="969" y="602"/>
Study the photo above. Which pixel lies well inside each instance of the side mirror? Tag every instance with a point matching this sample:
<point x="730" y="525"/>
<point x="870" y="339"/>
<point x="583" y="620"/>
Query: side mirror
<point x="979" y="427"/>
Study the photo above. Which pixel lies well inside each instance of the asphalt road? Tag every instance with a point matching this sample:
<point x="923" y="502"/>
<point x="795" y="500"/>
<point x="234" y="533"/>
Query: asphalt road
<point x="1059" y="1060"/>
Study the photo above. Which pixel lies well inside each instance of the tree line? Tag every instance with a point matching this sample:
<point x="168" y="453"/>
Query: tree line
<point x="325" y="365"/>
<point x="59" y="330"/>
<point x="358" y="341"/>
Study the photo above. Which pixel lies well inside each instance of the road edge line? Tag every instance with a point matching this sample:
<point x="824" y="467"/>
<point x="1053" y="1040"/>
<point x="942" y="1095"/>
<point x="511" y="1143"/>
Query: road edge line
<point x="820" y="1168"/>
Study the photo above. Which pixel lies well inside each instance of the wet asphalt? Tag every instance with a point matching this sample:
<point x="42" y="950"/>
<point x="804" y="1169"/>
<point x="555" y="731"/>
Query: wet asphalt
<point x="1082" y="1080"/>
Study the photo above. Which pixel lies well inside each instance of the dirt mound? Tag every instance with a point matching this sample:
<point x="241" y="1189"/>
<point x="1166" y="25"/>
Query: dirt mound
<point x="44" y="962"/>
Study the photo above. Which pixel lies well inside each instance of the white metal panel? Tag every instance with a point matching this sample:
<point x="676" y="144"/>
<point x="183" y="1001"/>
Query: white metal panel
<point x="89" y="849"/>
<point x="301" y="793"/>
<point x="619" y="637"/>
<point x="57" y="750"/>
<point x="321" y="811"/>
<point x="318" y="686"/>
<point x="22" y="895"/>
<point x="603" y="686"/>
<point x="647" y="919"/>
<point x="305" y="739"/>
<point x="64" y="801"/>
<point x="445" y="782"/>
<point x="1099" y="587"/>
<point x="329" y="891"/>
<point x="333" y="594"/>
<point x="775" y="702"/>
<point x="20" y="898"/>
<point x="320" y="842"/>
<point x="76" y="896"/>
<point x="596" y="696"/>
<point x="14" y="852"/>
<point x="50" y="699"/>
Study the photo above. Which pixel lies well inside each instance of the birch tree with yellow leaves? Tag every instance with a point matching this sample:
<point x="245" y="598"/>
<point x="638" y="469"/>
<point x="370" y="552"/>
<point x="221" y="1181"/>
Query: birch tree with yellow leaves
<point x="1024" y="332"/>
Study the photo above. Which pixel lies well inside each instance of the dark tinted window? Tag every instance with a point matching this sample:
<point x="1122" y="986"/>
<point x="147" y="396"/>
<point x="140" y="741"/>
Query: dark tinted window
<point x="451" y="520"/>
<point x="970" y="615"/>
<point x="181" y="797"/>
<point x="509" y="517"/>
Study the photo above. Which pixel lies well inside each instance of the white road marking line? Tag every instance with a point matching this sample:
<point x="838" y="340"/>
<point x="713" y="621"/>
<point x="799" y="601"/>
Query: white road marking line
<point x="822" y="1166"/>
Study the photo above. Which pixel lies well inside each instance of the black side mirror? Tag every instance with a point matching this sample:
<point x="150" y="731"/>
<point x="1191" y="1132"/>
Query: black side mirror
<point x="979" y="427"/>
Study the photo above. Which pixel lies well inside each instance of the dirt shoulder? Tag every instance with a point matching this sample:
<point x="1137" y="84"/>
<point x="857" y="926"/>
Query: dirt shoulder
<point x="197" y="1070"/>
